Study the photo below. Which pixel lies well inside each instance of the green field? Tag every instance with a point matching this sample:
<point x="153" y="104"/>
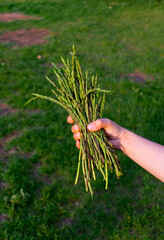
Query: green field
<point x="121" y="41"/>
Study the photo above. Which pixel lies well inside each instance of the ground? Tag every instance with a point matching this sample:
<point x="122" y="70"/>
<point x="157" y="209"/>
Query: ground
<point x="25" y="37"/>
<point x="9" y="17"/>
<point x="121" y="42"/>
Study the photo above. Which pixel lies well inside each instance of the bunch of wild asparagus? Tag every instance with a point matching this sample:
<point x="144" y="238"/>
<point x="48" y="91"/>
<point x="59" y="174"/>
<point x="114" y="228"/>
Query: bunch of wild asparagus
<point x="80" y="97"/>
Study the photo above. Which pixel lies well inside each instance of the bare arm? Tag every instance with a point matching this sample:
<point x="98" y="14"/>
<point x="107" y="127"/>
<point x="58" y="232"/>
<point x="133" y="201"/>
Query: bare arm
<point x="147" y="154"/>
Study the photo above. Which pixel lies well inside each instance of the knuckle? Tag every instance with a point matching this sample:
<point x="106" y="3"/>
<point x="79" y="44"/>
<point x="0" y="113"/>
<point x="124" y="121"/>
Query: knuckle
<point x="75" y="128"/>
<point x="70" y="120"/>
<point x="99" y="123"/>
<point x="77" y="136"/>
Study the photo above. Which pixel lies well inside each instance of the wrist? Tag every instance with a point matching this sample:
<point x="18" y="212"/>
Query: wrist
<point x="124" y="139"/>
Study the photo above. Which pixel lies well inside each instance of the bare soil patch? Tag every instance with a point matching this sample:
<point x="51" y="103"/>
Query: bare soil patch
<point x="6" y="109"/>
<point x="48" y="65"/>
<point x="137" y="77"/>
<point x="26" y="37"/>
<point x="8" y="138"/>
<point x="4" y="154"/>
<point x="33" y="111"/>
<point x="3" y="185"/>
<point x="41" y="177"/>
<point x="3" y="218"/>
<point x="66" y="222"/>
<point x="9" y="17"/>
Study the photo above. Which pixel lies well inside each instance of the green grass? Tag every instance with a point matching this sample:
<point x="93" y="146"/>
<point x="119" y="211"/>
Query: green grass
<point x="40" y="199"/>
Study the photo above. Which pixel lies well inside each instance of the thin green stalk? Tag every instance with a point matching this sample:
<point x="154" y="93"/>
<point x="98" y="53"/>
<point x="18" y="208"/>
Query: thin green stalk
<point x="78" y="167"/>
<point x="83" y="100"/>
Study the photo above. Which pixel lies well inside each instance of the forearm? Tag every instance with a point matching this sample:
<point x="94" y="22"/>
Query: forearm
<point x="147" y="154"/>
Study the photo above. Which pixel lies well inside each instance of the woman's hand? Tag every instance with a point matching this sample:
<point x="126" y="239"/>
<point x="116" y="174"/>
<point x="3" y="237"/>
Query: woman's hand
<point x="113" y="131"/>
<point x="147" y="154"/>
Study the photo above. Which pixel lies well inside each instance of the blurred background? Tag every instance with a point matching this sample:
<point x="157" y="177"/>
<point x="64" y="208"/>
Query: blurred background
<point x="122" y="42"/>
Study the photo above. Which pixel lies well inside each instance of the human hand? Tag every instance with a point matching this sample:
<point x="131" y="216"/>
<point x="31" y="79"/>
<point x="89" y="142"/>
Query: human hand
<point x="144" y="152"/>
<point x="113" y="131"/>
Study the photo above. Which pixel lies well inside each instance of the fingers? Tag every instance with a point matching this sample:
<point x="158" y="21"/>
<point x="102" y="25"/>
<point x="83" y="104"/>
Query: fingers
<point x="70" y="120"/>
<point x="78" y="144"/>
<point x="77" y="136"/>
<point x="75" y="129"/>
<point x="98" y="124"/>
<point x="94" y="126"/>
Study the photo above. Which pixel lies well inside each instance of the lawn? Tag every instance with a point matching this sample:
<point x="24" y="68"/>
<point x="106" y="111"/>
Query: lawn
<point x="121" y="41"/>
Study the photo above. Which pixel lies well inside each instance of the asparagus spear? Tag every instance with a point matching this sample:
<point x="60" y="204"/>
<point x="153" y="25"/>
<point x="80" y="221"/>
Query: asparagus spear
<point x="79" y="96"/>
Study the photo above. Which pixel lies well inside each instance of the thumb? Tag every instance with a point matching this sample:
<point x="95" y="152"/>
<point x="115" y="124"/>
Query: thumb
<point x="98" y="124"/>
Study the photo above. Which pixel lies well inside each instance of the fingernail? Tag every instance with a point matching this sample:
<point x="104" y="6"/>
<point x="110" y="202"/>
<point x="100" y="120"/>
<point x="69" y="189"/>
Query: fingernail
<point x="91" y="126"/>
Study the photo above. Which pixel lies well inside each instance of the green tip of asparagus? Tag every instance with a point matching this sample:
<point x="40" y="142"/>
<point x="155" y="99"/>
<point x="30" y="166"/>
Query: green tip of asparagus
<point x="84" y="100"/>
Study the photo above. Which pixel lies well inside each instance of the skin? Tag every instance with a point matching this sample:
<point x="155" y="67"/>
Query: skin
<point x="147" y="154"/>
